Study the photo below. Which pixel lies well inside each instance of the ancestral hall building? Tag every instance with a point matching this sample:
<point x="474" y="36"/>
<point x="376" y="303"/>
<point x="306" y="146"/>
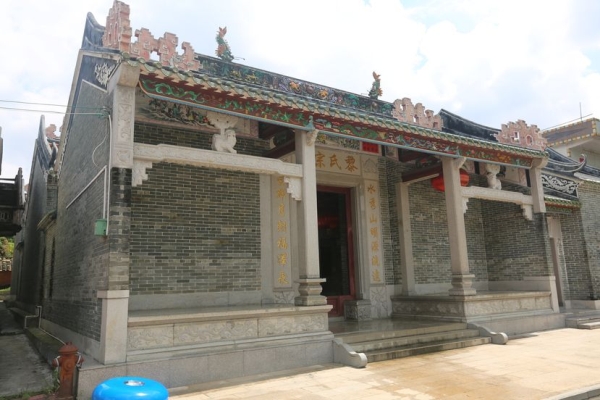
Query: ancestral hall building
<point x="213" y="218"/>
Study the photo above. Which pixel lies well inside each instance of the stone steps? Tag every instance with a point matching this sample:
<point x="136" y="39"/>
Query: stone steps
<point x="413" y="350"/>
<point x="583" y="322"/>
<point x="387" y="345"/>
<point x="589" y="325"/>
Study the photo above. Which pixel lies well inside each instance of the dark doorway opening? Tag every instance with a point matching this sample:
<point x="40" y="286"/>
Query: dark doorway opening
<point x="336" y="246"/>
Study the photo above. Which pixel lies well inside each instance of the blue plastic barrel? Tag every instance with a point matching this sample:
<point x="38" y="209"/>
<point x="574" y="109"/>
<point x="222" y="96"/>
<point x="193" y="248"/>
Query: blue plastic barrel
<point x="129" y="388"/>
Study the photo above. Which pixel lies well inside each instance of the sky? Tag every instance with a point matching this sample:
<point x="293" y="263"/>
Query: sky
<point x="490" y="61"/>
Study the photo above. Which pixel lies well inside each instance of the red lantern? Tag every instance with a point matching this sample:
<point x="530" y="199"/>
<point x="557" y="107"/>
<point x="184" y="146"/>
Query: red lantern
<point x="438" y="182"/>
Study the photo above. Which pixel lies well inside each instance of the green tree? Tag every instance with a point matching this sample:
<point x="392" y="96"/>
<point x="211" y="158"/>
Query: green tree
<point x="7" y="247"/>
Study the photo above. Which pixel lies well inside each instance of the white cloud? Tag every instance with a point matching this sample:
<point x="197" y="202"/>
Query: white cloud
<point x="490" y="61"/>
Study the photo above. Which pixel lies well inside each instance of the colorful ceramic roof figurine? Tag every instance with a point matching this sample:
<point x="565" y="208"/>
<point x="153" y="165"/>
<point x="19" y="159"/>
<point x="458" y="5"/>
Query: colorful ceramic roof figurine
<point x="376" y="91"/>
<point x="223" y="50"/>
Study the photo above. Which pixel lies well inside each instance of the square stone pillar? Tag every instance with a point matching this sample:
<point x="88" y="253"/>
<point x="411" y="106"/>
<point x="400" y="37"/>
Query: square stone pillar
<point x="405" y="230"/>
<point x="537" y="190"/>
<point x="308" y="229"/>
<point x="462" y="280"/>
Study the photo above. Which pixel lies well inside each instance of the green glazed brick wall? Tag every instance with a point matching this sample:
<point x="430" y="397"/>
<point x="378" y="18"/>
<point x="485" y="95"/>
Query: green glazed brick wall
<point x="515" y="247"/>
<point x="589" y="194"/>
<point x="429" y="224"/>
<point x="159" y="134"/>
<point x="195" y="230"/>
<point x="389" y="174"/>
<point x="431" y="248"/>
<point x="577" y="284"/>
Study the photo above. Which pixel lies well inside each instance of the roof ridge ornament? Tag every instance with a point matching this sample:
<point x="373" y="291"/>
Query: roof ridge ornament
<point x="223" y="50"/>
<point x="376" y="91"/>
<point x="117" y="35"/>
<point x="523" y="135"/>
<point x="405" y="111"/>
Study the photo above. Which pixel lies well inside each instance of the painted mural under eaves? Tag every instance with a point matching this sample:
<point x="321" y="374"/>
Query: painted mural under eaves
<point x="168" y="113"/>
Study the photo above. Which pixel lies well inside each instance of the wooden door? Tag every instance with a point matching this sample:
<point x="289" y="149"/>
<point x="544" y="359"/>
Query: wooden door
<point x="336" y="246"/>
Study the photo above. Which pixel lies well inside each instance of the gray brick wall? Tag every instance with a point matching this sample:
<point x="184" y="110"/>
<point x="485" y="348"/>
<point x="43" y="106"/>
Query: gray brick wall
<point x="157" y="134"/>
<point x="390" y="174"/>
<point x="195" y="230"/>
<point x="515" y="247"/>
<point x="431" y="249"/>
<point x="577" y="283"/>
<point x="30" y="283"/>
<point x="81" y="258"/>
<point x="589" y="193"/>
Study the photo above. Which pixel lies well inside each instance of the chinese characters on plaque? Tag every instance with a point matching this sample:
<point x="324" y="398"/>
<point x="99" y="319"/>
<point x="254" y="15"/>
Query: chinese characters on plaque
<point x="374" y="231"/>
<point x="281" y="234"/>
<point x="337" y="161"/>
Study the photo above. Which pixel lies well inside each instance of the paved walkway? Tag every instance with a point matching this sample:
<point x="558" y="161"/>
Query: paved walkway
<point x="555" y="364"/>
<point x="563" y="363"/>
<point x="21" y="368"/>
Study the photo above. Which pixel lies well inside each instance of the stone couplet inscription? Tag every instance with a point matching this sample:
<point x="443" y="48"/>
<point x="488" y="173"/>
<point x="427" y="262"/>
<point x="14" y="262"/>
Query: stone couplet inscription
<point x="371" y="195"/>
<point x="281" y="234"/>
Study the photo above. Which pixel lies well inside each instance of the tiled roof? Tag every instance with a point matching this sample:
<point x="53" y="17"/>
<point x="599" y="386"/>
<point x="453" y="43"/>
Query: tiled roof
<point x="372" y="121"/>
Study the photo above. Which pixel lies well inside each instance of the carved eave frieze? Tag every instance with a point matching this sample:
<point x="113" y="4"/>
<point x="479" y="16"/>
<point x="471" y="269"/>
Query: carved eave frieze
<point x="209" y="93"/>
<point x="561" y="185"/>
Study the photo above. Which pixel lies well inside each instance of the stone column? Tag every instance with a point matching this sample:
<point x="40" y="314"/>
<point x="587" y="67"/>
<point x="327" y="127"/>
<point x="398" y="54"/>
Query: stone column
<point x="308" y="238"/>
<point x="404" y="228"/>
<point x="461" y="278"/>
<point x="537" y="190"/>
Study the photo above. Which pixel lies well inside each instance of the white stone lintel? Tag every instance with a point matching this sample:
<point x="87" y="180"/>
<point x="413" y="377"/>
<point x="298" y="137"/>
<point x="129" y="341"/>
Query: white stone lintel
<point x="112" y="294"/>
<point x="525" y="201"/>
<point x="145" y="154"/>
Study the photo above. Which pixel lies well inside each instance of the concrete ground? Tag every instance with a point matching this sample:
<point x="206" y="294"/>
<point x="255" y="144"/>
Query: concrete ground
<point x="21" y="369"/>
<point x="557" y="364"/>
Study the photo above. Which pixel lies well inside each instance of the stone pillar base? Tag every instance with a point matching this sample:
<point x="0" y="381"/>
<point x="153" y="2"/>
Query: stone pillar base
<point x="462" y="285"/>
<point x="357" y="310"/>
<point x="310" y="292"/>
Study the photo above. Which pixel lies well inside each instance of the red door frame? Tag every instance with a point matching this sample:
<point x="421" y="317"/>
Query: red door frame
<point x="338" y="301"/>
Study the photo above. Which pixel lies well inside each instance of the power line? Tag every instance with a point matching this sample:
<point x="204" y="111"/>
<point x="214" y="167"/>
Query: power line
<point x="45" y="104"/>
<point x="99" y="113"/>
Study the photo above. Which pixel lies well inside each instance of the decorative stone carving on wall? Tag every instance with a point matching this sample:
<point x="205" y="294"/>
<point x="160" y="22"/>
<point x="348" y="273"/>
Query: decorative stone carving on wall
<point x="405" y="111"/>
<point x="117" y="35"/>
<point x="102" y="72"/>
<point x="520" y="134"/>
<point x="294" y="187"/>
<point x="139" y="172"/>
<point x="225" y="140"/>
<point x="149" y="337"/>
<point x="561" y="185"/>
<point x="284" y="297"/>
<point x="381" y="305"/>
<point x="292" y="325"/>
<point x="492" y="171"/>
<point x="214" y="331"/>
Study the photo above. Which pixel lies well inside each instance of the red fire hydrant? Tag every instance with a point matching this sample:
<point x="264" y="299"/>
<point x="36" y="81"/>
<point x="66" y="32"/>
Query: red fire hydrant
<point x="68" y="359"/>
